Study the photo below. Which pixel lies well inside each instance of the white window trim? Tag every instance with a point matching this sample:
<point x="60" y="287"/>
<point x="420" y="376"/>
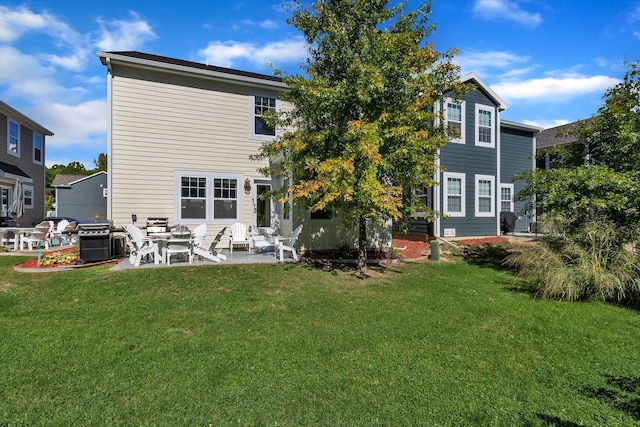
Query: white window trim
<point x="209" y="219"/>
<point x="17" y="153"/>
<point x="26" y="188"/>
<point x="252" y="103"/>
<point x="288" y="203"/>
<point x="39" y="162"/>
<point x="445" y="194"/>
<point x="492" y="110"/>
<point x="492" y="179"/>
<point x="460" y="140"/>
<point x="511" y="203"/>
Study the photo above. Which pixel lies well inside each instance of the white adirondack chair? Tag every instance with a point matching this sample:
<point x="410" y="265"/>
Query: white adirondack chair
<point x="239" y="236"/>
<point x="141" y="247"/>
<point x="56" y="233"/>
<point x="198" y="237"/>
<point x="179" y="243"/>
<point x="288" y="244"/>
<point x="39" y="235"/>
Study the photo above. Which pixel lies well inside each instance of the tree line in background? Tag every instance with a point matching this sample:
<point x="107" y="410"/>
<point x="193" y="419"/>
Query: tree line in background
<point x="73" y="168"/>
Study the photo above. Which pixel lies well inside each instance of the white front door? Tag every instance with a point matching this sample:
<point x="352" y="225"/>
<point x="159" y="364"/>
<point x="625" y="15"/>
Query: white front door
<point x="5" y="200"/>
<point x="263" y="208"/>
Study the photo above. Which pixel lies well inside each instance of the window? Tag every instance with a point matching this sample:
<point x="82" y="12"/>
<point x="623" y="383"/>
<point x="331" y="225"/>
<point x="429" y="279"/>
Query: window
<point x="454" y="194"/>
<point x="13" y="140"/>
<point x="193" y="197"/>
<point x="207" y="197"/>
<point x="484" y="126"/>
<point x="27" y="191"/>
<point x="506" y="197"/>
<point x="4" y="200"/>
<point x="37" y="148"/>
<point x="454" y="114"/>
<point x="262" y="105"/>
<point x="225" y="198"/>
<point x="485" y="195"/>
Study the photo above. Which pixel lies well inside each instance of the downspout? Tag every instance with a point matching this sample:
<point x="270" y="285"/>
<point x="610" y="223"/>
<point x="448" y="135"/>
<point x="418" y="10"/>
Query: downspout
<point x="498" y="180"/>
<point x="109" y="140"/>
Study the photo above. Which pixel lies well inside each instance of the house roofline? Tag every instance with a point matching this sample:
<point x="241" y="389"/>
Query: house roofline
<point x="519" y="126"/>
<point x="150" y="61"/>
<point x="35" y="125"/>
<point x="68" y="184"/>
<point x="502" y="105"/>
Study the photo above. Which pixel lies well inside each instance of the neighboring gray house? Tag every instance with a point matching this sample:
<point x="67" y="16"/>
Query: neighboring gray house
<point x="81" y="197"/>
<point x="22" y="153"/>
<point x="550" y="138"/>
<point x="476" y="183"/>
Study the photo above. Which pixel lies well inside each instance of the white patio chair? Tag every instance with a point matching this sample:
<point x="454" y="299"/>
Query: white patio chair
<point x="198" y="237"/>
<point x="56" y="233"/>
<point x="178" y="244"/>
<point x="39" y="235"/>
<point x="288" y="244"/>
<point x="141" y="247"/>
<point x="239" y="236"/>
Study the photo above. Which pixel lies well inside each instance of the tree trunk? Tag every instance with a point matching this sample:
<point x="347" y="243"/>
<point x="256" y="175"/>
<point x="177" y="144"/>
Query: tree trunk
<point x="362" y="245"/>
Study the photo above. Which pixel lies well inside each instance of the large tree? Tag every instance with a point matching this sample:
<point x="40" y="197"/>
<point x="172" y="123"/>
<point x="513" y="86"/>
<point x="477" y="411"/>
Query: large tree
<point x="362" y="135"/>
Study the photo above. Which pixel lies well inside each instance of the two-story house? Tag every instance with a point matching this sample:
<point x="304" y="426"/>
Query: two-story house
<point x="22" y="153"/>
<point x="181" y="134"/>
<point x="475" y="184"/>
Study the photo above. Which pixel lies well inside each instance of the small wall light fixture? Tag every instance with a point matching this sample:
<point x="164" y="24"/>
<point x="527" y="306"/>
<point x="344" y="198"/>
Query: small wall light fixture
<point x="247" y="186"/>
<point x="134" y="218"/>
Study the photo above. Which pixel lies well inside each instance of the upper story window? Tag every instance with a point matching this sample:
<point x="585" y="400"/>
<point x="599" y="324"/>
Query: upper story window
<point x="262" y="105"/>
<point x="454" y="194"/>
<point x="37" y="148"/>
<point x="454" y="115"/>
<point x="485" y="129"/>
<point x="485" y="198"/>
<point x="13" y="138"/>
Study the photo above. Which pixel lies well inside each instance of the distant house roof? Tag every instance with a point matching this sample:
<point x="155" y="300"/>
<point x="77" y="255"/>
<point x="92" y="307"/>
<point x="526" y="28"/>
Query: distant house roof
<point x="142" y="59"/>
<point x="64" y="180"/>
<point x="549" y="137"/>
<point x="26" y="120"/>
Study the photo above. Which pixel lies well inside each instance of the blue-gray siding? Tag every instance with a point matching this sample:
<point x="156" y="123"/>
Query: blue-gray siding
<point x="84" y="200"/>
<point x="470" y="159"/>
<point x="516" y="157"/>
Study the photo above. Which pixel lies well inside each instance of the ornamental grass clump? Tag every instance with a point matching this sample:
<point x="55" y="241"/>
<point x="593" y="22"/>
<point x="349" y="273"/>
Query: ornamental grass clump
<point x="591" y="264"/>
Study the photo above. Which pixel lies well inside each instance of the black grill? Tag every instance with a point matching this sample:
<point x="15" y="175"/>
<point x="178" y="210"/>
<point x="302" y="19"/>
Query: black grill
<point x="94" y="238"/>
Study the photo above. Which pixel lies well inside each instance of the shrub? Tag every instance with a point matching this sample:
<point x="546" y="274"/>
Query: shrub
<point x="590" y="264"/>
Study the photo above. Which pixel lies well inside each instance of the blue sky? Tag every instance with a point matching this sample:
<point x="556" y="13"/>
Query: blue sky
<point x="550" y="60"/>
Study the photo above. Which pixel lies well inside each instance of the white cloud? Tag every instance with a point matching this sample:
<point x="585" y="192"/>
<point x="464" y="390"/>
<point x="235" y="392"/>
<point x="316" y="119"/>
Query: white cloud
<point x="506" y="9"/>
<point x="226" y="54"/>
<point x="546" y="124"/>
<point x="553" y="88"/>
<point x="19" y="20"/>
<point x="79" y="125"/>
<point x="480" y="62"/>
<point x="269" y="24"/>
<point x="124" y="35"/>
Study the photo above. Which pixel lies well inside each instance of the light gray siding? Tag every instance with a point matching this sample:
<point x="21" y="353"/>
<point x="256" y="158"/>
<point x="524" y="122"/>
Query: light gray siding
<point x="36" y="171"/>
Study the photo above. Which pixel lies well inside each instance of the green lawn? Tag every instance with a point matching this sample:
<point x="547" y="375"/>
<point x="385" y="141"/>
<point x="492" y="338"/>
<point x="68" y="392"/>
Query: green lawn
<point x="419" y="344"/>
